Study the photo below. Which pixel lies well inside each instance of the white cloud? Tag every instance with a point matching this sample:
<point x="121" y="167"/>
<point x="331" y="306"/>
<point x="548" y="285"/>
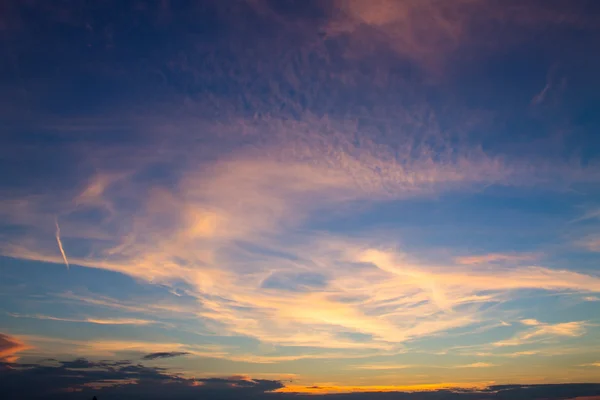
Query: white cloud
<point x="60" y="245"/>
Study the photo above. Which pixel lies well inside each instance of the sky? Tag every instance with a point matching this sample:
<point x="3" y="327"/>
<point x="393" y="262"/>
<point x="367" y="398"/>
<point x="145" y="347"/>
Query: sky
<point x="275" y="198"/>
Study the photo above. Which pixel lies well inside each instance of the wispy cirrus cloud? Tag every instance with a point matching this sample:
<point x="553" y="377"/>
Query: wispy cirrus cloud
<point x="46" y="346"/>
<point x="204" y="219"/>
<point x="91" y="320"/>
<point x="385" y="367"/>
<point x="468" y="282"/>
<point x="253" y="196"/>
<point x="542" y="331"/>
<point x="590" y="214"/>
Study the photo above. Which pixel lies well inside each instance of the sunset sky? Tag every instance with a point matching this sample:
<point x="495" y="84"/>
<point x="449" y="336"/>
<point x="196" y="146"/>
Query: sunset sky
<point x="300" y="196"/>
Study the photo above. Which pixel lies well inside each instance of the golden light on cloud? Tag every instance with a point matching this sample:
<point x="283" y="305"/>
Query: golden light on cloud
<point x="333" y="389"/>
<point x="10" y="346"/>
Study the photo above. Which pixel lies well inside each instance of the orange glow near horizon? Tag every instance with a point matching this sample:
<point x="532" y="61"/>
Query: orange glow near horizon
<point x="337" y="389"/>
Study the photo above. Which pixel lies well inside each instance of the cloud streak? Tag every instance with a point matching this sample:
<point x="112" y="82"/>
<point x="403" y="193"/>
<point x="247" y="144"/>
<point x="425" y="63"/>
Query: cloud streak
<point x="91" y="320"/>
<point x="60" y="245"/>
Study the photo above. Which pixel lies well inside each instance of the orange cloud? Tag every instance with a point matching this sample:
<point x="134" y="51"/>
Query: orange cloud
<point x="112" y="347"/>
<point x="331" y="388"/>
<point x="477" y="365"/>
<point x="10" y="346"/>
<point x="596" y="364"/>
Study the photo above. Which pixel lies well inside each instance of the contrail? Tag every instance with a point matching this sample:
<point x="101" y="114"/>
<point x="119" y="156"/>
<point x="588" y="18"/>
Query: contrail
<point x="60" y="246"/>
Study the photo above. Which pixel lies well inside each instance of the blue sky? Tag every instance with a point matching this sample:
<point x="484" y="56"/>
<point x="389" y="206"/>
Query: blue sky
<point x="338" y="196"/>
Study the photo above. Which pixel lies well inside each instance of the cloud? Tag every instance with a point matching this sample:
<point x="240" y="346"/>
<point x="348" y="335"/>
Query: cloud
<point x="545" y="331"/>
<point x="154" y="356"/>
<point x="476" y="391"/>
<point x="446" y="287"/>
<point x="91" y="320"/>
<point x="590" y="214"/>
<point x="227" y="205"/>
<point x="542" y="348"/>
<point x="586" y="398"/>
<point x="378" y="367"/>
<point x="591" y="243"/>
<point x="400" y="24"/>
<point x="118" y="321"/>
<point x="494" y="257"/>
<point x="253" y="197"/>
<point x="383" y="367"/>
<point x="596" y="364"/>
<point x="433" y="301"/>
<point x="523" y="353"/>
<point x="431" y="31"/>
<point x="9" y="347"/>
<point x="84" y="378"/>
<point x="477" y="365"/>
<point x="60" y="245"/>
<point x="47" y="346"/>
<point x="552" y="85"/>
<point x="541" y="96"/>
<point x="531" y="322"/>
<point x="399" y="390"/>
